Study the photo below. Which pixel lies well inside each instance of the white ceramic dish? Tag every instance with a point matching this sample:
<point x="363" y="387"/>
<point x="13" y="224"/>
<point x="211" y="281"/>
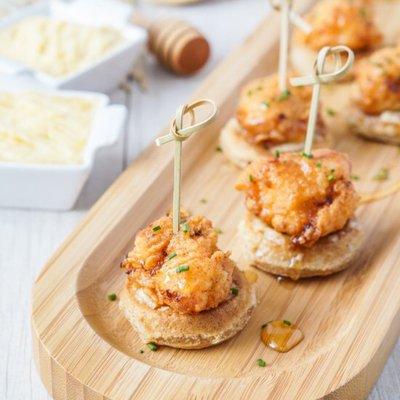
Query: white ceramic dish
<point x="101" y="76"/>
<point x="8" y="9"/>
<point x="56" y="187"/>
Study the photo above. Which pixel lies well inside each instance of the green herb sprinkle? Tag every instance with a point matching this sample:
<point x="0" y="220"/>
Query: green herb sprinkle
<point x="261" y="363"/>
<point x="382" y="175"/>
<point x="182" y="268"/>
<point x="171" y="256"/>
<point x="112" y="296"/>
<point x="185" y="227"/>
<point x="284" y="95"/>
<point x="152" y="346"/>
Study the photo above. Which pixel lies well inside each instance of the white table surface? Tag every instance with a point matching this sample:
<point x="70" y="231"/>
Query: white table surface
<point x="28" y="238"/>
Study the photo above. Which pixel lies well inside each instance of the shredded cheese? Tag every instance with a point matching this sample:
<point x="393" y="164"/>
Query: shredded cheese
<point x="57" y="48"/>
<point x="38" y="128"/>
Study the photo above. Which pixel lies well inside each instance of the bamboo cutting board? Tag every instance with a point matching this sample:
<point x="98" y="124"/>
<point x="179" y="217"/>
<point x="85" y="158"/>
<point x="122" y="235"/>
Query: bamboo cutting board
<point x="85" y="349"/>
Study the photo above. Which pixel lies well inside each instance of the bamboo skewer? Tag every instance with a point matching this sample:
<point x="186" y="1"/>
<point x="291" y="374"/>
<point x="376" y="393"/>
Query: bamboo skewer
<point x="284" y="45"/>
<point x="295" y="18"/>
<point x="318" y="77"/>
<point x="287" y="16"/>
<point x="179" y="134"/>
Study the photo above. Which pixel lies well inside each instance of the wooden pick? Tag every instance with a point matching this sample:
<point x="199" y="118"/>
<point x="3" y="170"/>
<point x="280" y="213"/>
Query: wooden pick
<point x="285" y="7"/>
<point x="318" y="77"/>
<point x="295" y="18"/>
<point x="179" y="134"/>
<point x="284" y="44"/>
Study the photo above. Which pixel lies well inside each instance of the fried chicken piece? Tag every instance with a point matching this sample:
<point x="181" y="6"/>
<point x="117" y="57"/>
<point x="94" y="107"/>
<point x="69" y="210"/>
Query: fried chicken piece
<point x="269" y="116"/>
<point x="305" y="198"/>
<point x="185" y="271"/>
<point x="346" y="22"/>
<point x="378" y="81"/>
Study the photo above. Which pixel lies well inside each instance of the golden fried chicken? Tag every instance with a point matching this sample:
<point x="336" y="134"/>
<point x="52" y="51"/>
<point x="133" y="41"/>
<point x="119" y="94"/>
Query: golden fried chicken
<point x="269" y="116"/>
<point x="185" y="271"/>
<point x="378" y="81"/>
<point x="346" y="22"/>
<point x="305" y="198"/>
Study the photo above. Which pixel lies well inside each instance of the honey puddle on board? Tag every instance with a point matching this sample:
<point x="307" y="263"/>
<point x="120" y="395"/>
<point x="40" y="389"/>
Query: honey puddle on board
<point x="281" y="335"/>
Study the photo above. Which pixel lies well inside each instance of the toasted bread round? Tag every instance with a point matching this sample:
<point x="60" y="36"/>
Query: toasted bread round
<point x="239" y="151"/>
<point x="273" y="252"/>
<point x="165" y="326"/>
<point x="373" y="127"/>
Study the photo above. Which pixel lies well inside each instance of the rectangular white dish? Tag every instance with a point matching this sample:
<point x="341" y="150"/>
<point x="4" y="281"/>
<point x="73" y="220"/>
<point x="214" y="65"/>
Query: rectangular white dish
<point x="56" y="187"/>
<point x="100" y="76"/>
<point x="8" y="9"/>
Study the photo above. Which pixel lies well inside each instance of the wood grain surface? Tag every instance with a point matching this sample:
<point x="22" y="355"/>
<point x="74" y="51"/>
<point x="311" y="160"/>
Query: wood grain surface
<point x="27" y="238"/>
<point x="86" y="349"/>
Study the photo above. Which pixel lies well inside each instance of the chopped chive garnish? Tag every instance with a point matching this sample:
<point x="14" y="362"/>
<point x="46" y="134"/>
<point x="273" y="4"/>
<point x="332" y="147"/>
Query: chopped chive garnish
<point x="235" y="291"/>
<point x="182" y="268"/>
<point x="152" y="346"/>
<point x="171" y="256"/>
<point x="251" y="178"/>
<point x="277" y="153"/>
<point x="331" y="176"/>
<point x="330" y="112"/>
<point x="284" y="95"/>
<point x="261" y="363"/>
<point x="363" y="12"/>
<point x="354" y="177"/>
<point x="318" y="165"/>
<point x="306" y="155"/>
<point x="286" y="322"/>
<point x="382" y="174"/>
<point x="265" y="105"/>
<point x="156" y="228"/>
<point x="218" y="231"/>
<point x="218" y="149"/>
<point x="185" y="227"/>
<point x="204" y="201"/>
<point x="112" y="296"/>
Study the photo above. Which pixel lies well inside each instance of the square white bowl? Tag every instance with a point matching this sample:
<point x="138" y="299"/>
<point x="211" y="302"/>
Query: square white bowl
<point x="56" y="187"/>
<point x="102" y="75"/>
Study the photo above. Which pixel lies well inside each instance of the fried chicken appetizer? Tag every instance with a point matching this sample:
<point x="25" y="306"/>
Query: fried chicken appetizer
<point x="376" y="110"/>
<point x="300" y="214"/>
<point x="181" y="290"/>
<point x="348" y="22"/>
<point x="268" y="120"/>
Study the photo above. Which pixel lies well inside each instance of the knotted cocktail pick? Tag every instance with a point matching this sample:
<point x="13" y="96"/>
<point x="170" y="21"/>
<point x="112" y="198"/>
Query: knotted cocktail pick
<point x="179" y="134"/>
<point x="287" y="14"/>
<point x="318" y="77"/>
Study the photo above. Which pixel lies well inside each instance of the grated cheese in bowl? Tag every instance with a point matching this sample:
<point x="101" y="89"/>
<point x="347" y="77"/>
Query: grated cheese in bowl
<point x="41" y="128"/>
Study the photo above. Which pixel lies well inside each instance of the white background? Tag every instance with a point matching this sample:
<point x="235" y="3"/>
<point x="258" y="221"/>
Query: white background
<point x="28" y="238"/>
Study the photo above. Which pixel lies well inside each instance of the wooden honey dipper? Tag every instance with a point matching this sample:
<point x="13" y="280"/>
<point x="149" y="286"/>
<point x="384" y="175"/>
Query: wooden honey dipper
<point x="177" y="45"/>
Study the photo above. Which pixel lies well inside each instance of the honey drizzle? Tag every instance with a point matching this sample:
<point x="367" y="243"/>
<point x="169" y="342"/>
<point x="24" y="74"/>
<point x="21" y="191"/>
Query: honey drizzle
<point x="251" y="276"/>
<point x="380" y="194"/>
<point x="281" y="335"/>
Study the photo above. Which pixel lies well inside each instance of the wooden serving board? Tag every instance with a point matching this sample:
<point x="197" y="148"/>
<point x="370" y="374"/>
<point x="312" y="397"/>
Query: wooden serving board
<point x="85" y="349"/>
